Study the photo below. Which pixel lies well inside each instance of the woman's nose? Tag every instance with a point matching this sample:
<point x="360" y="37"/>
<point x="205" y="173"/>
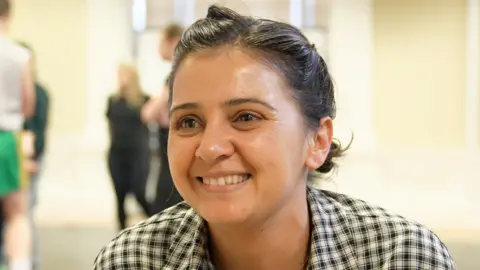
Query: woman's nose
<point x="215" y="145"/>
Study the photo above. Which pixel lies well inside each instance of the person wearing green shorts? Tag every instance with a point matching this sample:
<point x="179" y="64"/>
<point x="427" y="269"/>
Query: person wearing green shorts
<point x="10" y="173"/>
<point x="17" y="104"/>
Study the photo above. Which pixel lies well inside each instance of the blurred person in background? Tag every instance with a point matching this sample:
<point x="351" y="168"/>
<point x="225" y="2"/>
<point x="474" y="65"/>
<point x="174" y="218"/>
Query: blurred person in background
<point x="128" y="156"/>
<point x="17" y="103"/>
<point x="38" y="126"/>
<point x="156" y="110"/>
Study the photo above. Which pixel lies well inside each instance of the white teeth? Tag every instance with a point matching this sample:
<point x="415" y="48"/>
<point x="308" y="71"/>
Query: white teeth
<point x="221" y="181"/>
<point x="226" y="180"/>
<point x="237" y="179"/>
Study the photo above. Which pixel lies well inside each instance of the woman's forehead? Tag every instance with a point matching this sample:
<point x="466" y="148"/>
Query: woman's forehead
<point x="225" y="73"/>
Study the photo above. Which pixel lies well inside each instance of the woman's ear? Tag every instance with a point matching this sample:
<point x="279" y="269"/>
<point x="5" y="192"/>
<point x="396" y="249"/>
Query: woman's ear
<point x="319" y="146"/>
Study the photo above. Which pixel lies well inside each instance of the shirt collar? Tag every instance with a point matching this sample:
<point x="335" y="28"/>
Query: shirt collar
<point x="331" y="237"/>
<point x="190" y="253"/>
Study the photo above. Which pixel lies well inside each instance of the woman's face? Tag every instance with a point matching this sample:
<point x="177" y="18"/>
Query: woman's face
<point x="237" y="146"/>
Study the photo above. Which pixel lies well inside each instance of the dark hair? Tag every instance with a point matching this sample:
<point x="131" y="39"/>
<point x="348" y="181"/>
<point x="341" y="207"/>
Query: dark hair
<point x="173" y="31"/>
<point x="4" y="7"/>
<point x="281" y="46"/>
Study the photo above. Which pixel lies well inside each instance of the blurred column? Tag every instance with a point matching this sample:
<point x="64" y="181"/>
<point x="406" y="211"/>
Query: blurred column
<point x="350" y="60"/>
<point x="296" y="13"/>
<point x="473" y="71"/>
<point x="139" y="23"/>
<point x="309" y="13"/>
<point x="139" y="15"/>
<point x="109" y="42"/>
<point x="184" y="11"/>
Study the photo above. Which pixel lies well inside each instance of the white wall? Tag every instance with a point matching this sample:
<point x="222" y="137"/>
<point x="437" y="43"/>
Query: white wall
<point x="472" y="121"/>
<point x="350" y="58"/>
<point x="420" y="68"/>
<point x="56" y="32"/>
<point x="109" y="42"/>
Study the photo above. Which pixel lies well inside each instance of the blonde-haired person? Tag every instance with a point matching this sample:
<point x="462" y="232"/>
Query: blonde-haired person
<point x="129" y="153"/>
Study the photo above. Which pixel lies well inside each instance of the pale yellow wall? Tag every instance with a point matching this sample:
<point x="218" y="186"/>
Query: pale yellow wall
<point x="56" y="31"/>
<point x="419" y="69"/>
<point x="479" y="75"/>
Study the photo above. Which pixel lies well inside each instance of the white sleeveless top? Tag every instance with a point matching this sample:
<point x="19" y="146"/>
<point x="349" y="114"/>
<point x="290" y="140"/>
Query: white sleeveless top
<point x="13" y="58"/>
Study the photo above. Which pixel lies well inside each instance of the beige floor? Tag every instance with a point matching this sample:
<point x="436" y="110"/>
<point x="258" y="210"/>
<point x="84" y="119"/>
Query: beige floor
<point x="437" y="188"/>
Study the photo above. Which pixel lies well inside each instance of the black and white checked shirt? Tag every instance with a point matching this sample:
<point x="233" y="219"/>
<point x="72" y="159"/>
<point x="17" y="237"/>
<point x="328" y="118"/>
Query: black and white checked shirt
<point x="347" y="234"/>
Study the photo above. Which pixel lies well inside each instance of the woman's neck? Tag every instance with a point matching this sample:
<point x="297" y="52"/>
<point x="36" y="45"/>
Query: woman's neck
<point x="281" y="242"/>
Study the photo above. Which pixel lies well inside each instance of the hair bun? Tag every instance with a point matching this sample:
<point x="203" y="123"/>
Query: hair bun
<point x="219" y="13"/>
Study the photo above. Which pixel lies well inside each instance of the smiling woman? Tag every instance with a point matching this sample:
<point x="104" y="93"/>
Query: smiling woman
<point x="251" y="105"/>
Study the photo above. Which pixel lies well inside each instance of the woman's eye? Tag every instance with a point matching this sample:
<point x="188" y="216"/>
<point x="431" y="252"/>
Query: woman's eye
<point x="246" y="117"/>
<point x="188" y="123"/>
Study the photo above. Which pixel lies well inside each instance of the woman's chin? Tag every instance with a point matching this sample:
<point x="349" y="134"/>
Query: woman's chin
<point x="225" y="215"/>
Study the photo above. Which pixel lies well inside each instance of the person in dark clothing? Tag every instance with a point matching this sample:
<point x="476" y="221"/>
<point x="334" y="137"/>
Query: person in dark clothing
<point x="128" y="156"/>
<point x="39" y="122"/>
<point x="37" y="125"/>
<point x="166" y="195"/>
<point x="157" y="111"/>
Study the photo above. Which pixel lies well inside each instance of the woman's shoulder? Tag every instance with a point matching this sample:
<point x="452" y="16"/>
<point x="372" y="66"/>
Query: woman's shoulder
<point x="148" y="242"/>
<point x="380" y="239"/>
<point x="352" y="206"/>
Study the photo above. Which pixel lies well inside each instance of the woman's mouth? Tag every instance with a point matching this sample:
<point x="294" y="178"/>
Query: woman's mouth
<point x="224" y="180"/>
